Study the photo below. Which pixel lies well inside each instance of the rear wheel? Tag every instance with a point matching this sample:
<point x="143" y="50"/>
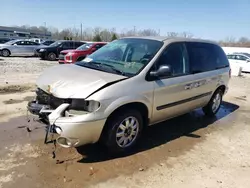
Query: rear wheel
<point x="214" y="104"/>
<point x="123" y="131"/>
<point x="51" y="56"/>
<point x="5" y="53"/>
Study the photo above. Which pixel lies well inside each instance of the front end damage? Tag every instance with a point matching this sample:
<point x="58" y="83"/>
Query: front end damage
<point x="70" y="121"/>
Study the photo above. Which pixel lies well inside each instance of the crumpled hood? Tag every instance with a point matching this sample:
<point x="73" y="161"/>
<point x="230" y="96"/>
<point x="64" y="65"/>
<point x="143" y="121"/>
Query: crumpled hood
<point x="73" y="81"/>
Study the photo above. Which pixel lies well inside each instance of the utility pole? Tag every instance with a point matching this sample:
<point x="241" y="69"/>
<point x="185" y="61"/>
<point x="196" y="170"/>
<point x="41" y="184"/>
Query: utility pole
<point x="81" y="31"/>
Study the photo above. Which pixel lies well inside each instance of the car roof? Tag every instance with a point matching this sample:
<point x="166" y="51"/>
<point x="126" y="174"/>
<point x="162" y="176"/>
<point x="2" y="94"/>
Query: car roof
<point x="173" y="39"/>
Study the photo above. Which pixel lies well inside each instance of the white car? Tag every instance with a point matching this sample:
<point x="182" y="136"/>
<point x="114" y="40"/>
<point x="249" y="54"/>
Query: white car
<point x="240" y="59"/>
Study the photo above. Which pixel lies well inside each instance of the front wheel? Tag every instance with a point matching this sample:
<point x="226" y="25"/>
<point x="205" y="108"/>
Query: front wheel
<point x="214" y="104"/>
<point x="52" y="56"/>
<point x="123" y="131"/>
<point x="5" y="53"/>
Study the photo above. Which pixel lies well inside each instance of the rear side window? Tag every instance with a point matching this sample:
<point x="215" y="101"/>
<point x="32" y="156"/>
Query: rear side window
<point x="205" y="57"/>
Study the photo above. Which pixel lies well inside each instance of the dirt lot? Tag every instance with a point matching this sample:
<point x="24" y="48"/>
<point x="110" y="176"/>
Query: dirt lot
<point x="189" y="151"/>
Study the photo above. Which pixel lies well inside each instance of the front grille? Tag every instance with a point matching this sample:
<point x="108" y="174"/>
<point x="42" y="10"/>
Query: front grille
<point x="48" y="99"/>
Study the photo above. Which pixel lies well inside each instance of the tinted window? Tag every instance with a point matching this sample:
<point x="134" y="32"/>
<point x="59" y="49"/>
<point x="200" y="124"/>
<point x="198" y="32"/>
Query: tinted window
<point x="205" y="57"/>
<point x="31" y="43"/>
<point x="21" y="43"/>
<point x="175" y="56"/>
<point x="99" y="46"/>
<point x="241" y="57"/>
<point x="67" y="45"/>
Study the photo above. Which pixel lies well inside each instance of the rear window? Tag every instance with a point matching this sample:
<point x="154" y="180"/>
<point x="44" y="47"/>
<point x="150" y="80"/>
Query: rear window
<point x="206" y="57"/>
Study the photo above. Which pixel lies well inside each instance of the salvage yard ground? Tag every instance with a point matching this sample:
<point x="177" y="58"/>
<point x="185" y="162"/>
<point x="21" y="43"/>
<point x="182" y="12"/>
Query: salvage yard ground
<point x="190" y="151"/>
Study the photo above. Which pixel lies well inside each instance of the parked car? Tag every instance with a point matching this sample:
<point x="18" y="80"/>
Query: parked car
<point x="71" y="56"/>
<point x="128" y="84"/>
<point x="240" y="59"/>
<point x="52" y="51"/>
<point x="18" y="48"/>
<point x="48" y="42"/>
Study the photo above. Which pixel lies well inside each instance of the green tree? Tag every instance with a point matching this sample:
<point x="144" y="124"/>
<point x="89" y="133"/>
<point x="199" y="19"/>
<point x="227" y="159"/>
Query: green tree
<point x="114" y="37"/>
<point x="97" y="38"/>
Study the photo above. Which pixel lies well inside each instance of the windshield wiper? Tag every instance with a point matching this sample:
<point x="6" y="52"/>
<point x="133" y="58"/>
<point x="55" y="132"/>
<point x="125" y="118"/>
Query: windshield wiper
<point x="107" y="65"/>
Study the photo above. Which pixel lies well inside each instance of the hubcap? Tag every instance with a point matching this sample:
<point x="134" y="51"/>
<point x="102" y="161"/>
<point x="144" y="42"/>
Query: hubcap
<point x="127" y="132"/>
<point x="216" y="102"/>
<point x="5" y="53"/>
<point x="52" y="56"/>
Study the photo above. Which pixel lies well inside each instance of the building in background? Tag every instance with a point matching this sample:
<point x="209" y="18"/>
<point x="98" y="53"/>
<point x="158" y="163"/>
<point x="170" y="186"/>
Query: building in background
<point x="20" y="33"/>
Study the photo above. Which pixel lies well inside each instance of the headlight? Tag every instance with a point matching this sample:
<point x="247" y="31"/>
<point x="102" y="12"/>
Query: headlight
<point x="42" y="50"/>
<point x="83" y="105"/>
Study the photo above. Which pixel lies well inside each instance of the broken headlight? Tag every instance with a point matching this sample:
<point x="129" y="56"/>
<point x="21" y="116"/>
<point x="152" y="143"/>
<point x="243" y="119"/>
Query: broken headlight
<point x="84" y="105"/>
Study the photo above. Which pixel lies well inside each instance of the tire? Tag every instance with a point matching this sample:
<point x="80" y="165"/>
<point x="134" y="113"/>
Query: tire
<point x="51" y="56"/>
<point x="5" y="53"/>
<point x="120" y="138"/>
<point x="214" y="104"/>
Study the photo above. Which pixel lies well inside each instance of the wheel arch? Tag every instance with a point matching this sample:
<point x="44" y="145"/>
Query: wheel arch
<point x="140" y="106"/>
<point x="7" y="50"/>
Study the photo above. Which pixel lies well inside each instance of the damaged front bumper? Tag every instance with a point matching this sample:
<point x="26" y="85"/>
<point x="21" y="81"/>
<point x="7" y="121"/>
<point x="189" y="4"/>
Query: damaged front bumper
<point x="72" y="130"/>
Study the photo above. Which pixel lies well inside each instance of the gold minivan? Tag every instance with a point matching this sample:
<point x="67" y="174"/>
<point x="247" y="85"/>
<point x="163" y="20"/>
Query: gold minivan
<point x="130" y="83"/>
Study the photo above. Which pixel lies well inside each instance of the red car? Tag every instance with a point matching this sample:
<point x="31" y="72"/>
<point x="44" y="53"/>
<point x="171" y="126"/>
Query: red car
<point x="72" y="56"/>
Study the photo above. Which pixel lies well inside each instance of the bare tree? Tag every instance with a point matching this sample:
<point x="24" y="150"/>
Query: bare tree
<point x="186" y="35"/>
<point x="172" y="34"/>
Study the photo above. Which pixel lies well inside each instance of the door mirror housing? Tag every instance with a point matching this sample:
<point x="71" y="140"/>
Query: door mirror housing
<point x="248" y="60"/>
<point x="15" y="44"/>
<point x="164" y="70"/>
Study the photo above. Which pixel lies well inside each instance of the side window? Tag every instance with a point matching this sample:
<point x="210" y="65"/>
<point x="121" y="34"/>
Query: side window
<point x="66" y="45"/>
<point x="20" y="43"/>
<point x="175" y="56"/>
<point x="79" y="44"/>
<point x="98" y="46"/>
<point x="241" y="57"/>
<point x="202" y="57"/>
<point x="31" y="43"/>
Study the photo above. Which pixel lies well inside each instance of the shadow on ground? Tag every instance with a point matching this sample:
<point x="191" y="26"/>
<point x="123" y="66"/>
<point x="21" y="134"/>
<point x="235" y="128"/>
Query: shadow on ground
<point x="160" y="134"/>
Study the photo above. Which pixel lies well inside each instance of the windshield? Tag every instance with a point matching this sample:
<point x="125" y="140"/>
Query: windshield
<point x="57" y="43"/>
<point x="127" y="56"/>
<point x="85" y="46"/>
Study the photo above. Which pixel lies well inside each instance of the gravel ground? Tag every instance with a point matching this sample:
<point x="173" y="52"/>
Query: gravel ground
<point x="22" y="70"/>
<point x="191" y="151"/>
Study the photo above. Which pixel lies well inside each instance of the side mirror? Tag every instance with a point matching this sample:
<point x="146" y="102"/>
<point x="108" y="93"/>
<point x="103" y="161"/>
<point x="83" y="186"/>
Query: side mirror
<point x="163" y="70"/>
<point x="15" y="44"/>
<point x="248" y="60"/>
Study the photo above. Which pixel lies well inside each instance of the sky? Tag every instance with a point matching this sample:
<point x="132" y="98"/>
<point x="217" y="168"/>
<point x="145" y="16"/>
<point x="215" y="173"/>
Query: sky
<point x="208" y="19"/>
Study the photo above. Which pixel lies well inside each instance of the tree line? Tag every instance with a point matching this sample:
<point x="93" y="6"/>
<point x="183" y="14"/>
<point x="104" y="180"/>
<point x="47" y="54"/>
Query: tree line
<point x="104" y="34"/>
<point x="98" y="33"/>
